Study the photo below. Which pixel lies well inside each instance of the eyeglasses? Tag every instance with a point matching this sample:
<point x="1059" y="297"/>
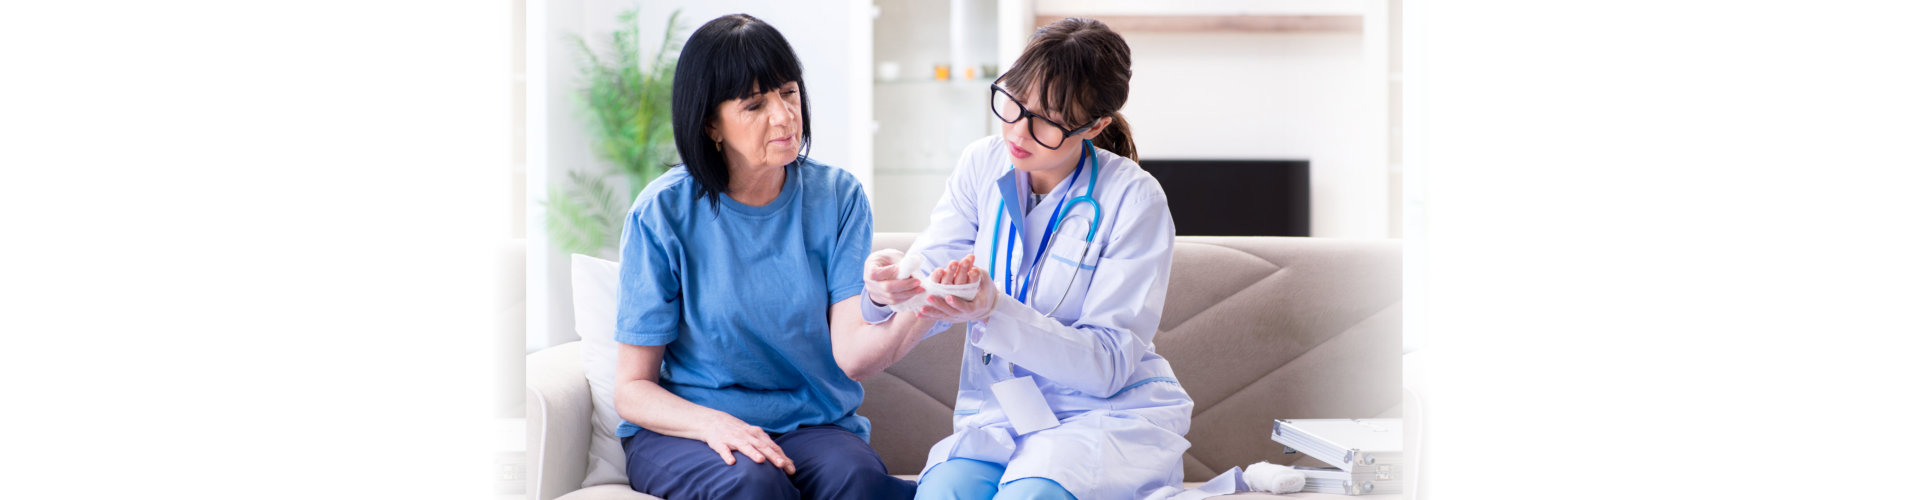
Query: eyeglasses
<point x="1050" y="135"/>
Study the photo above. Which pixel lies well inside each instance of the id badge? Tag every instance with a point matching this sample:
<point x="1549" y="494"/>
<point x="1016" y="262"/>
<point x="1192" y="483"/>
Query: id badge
<point x="1025" y="407"/>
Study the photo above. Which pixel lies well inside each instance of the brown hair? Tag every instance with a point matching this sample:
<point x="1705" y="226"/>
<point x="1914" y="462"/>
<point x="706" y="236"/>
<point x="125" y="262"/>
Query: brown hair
<point x="1080" y="69"/>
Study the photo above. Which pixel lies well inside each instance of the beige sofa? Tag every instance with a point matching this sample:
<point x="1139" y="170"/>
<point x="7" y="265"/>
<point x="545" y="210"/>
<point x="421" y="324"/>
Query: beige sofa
<point x="1256" y="328"/>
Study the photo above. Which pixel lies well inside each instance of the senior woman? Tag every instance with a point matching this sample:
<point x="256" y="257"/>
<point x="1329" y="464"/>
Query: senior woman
<point x="741" y="338"/>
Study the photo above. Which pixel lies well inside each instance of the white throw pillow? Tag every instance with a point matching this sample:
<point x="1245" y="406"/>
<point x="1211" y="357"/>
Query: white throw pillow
<point x="596" y="292"/>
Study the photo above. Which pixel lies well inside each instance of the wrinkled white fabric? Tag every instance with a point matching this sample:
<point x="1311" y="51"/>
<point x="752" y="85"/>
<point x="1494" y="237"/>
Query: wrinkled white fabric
<point x="1263" y="476"/>
<point x="1227" y="483"/>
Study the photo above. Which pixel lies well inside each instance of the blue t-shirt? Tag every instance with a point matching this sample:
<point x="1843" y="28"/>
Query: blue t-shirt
<point x="739" y="295"/>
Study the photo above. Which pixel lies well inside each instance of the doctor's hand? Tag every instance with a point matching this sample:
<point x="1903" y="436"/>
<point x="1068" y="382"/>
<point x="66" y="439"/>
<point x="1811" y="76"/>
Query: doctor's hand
<point x="725" y="435"/>
<point x="953" y="309"/>
<point x="882" y="286"/>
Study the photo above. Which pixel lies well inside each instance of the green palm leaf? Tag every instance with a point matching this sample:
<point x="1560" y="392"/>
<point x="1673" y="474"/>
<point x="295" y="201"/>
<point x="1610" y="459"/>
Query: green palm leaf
<point x="630" y="120"/>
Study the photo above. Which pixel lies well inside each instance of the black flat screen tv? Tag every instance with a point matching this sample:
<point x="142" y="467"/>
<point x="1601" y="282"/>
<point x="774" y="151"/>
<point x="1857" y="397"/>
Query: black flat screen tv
<point x="1235" y="197"/>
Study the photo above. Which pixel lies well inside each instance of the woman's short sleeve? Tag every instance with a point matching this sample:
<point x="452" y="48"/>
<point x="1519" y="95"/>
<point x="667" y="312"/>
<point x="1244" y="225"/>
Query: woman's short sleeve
<point x="649" y="311"/>
<point x="855" y="240"/>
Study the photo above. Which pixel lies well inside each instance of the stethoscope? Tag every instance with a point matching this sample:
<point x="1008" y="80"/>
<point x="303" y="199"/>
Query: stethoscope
<point x="1064" y="207"/>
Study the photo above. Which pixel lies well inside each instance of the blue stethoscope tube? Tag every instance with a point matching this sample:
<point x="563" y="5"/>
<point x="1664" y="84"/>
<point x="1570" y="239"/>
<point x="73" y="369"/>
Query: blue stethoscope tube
<point x="1064" y="207"/>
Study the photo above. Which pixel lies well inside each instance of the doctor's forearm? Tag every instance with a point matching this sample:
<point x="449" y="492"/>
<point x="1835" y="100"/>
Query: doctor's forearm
<point x="1088" y="359"/>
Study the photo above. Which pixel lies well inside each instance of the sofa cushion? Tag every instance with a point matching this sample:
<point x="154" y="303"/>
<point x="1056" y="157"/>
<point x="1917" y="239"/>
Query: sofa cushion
<point x="596" y="286"/>
<point x="1256" y="328"/>
<point x="1266" y="328"/>
<point x="607" y="492"/>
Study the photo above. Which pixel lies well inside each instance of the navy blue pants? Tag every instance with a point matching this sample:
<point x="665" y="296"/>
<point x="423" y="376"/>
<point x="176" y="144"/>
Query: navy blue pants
<point x="829" y="463"/>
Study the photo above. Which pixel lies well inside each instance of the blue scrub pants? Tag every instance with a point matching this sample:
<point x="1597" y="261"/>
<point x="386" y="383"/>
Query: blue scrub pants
<point x="968" y="479"/>
<point x="829" y="461"/>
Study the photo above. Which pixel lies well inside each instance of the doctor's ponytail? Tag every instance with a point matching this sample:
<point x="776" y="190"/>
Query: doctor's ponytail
<point x="1117" y="138"/>
<point x="1081" y="69"/>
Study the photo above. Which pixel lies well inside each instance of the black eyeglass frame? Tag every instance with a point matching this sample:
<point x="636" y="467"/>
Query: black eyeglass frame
<point x="1025" y="113"/>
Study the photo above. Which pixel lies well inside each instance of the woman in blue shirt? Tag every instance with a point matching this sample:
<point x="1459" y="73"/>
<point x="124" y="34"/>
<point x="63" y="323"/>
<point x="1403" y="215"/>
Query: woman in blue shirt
<point x="741" y="339"/>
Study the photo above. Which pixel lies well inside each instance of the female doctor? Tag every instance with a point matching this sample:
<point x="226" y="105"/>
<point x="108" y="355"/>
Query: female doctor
<point x="1076" y="244"/>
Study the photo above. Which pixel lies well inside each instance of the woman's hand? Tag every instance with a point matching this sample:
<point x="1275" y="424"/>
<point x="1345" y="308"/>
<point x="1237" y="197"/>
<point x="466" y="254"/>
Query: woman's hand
<point x="883" y="284"/>
<point x="727" y="434"/>
<point x="954" y="310"/>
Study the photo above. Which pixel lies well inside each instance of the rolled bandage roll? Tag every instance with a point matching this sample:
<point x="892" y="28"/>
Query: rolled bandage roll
<point x="907" y="266"/>
<point x="1274" y="478"/>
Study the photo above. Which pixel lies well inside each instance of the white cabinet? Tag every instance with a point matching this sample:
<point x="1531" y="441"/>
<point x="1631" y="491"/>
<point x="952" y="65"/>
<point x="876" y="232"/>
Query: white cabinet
<point x="932" y="64"/>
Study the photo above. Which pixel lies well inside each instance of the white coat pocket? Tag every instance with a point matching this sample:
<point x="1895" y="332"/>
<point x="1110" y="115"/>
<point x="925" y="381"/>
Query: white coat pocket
<point x="1062" y="284"/>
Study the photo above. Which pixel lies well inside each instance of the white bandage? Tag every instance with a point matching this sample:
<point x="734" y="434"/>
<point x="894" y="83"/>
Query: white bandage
<point x="908" y="265"/>
<point x="911" y="263"/>
<point x="1275" y="478"/>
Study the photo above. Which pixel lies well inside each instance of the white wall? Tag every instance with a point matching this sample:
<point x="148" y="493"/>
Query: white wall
<point x="1315" y="96"/>
<point x="1269" y="95"/>
<point x="834" y="42"/>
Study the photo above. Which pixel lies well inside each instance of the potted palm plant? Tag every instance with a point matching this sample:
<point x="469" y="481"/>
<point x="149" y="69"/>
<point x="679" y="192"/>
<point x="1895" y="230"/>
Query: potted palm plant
<point x="625" y="98"/>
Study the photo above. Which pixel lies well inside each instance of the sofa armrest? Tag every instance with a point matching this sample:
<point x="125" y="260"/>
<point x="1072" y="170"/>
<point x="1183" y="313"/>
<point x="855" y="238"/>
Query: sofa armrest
<point x="559" y="419"/>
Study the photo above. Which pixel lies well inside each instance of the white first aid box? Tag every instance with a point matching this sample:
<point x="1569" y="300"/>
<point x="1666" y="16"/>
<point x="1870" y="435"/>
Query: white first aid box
<point x="1365" y="453"/>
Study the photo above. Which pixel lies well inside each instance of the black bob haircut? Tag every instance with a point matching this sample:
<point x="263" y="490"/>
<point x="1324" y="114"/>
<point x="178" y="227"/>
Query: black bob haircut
<point x="731" y="57"/>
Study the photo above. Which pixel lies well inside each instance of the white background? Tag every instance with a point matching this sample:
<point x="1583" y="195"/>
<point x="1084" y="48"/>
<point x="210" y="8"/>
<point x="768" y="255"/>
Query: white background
<point x="1670" y="247"/>
<point x="247" y="247"/>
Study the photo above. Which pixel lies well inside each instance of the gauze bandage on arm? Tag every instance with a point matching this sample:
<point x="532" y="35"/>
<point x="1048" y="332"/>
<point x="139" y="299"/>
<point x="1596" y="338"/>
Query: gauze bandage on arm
<point x="909" y="265"/>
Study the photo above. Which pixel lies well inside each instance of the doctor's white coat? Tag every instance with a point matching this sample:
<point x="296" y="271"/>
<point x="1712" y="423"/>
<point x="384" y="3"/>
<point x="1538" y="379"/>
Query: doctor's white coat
<point x="1123" y="415"/>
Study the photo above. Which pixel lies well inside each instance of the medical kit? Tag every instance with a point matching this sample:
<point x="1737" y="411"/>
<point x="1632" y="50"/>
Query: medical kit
<point x="1364" y="453"/>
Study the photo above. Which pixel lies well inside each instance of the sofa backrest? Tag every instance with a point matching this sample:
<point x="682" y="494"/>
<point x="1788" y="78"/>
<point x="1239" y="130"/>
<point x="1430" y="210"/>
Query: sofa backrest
<point x="1257" y="328"/>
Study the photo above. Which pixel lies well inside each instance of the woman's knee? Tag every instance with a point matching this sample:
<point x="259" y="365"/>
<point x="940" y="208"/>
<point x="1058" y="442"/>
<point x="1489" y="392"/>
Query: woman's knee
<point x="745" y="479"/>
<point x="1033" y="488"/>
<point x="960" y="479"/>
<point x="852" y="480"/>
<point x="860" y="471"/>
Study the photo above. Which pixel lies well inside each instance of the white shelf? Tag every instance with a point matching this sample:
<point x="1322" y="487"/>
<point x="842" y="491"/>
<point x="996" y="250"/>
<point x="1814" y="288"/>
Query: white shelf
<point x="929" y="81"/>
<point x="912" y="170"/>
<point x="1102" y="8"/>
<point x="923" y="123"/>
